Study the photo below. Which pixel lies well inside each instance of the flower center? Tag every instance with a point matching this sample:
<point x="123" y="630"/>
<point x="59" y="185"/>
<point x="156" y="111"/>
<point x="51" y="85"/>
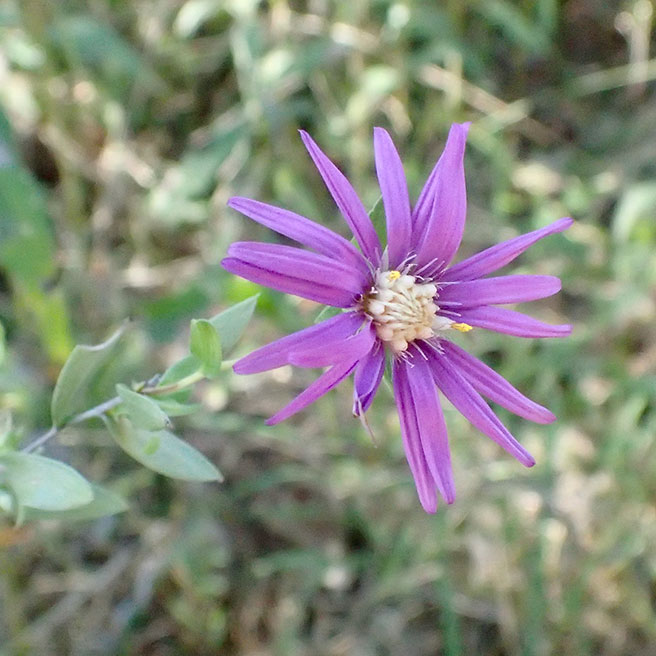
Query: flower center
<point x="404" y="310"/>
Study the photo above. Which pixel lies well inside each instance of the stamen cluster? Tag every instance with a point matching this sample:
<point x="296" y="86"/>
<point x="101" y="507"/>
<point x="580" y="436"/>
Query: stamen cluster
<point x="403" y="309"/>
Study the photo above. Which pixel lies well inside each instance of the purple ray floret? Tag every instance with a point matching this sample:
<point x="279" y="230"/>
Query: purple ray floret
<point x="400" y="303"/>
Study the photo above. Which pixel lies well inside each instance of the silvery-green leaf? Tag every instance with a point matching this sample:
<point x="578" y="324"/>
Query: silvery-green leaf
<point x="39" y="482"/>
<point x="104" y="503"/>
<point x="328" y="312"/>
<point x="205" y="346"/>
<point x="82" y="366"/>
<point x="232" y="322"/>
<point x="142" y="410"/>
<point x="163" y="452"/>
<point x="177" y="371"/>
<point x="174" y="408"/>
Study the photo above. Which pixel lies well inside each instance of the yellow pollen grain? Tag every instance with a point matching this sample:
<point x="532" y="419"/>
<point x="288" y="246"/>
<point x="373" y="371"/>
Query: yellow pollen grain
<point x="393" y="275"/>
<point x="462" y="327"/>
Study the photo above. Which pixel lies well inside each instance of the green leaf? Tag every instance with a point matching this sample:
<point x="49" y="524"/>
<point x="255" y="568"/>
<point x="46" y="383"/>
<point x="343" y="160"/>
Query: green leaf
<point x="143" y="411"/>
<point x="43" y="483"/>
<point x="232" y="322"/>
<point x="174" y="408"/>
<point x="205" y="345"/>
<point x="163" y="452"/>
<point x="328" y="312"/>
<point x="188" y="366"/>
<point x="76" y="375"/>
<point x="179" y="370"/>
<point x="104" y="503"/>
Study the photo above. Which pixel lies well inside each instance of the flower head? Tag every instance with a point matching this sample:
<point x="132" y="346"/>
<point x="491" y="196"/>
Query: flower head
<point x="402" y="302"/>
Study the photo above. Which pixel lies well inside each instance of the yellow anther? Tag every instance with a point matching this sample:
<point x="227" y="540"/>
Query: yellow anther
<point x="462" y="327"/>
<point x="393" y="275"/>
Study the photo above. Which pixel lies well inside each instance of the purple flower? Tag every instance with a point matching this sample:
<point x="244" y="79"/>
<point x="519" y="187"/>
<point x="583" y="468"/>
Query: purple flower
<point x="403" y="301"/>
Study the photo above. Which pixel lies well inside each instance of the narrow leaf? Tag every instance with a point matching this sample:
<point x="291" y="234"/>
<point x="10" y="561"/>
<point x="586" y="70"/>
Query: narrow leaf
<point x="163" y="452"/>
<point x="181" y="369"/>
<point x="328" y="312"/>
<point x="142" y="410"/>
<point x="205" y="345"/>
<point x="232" y="322"/>
<point x="43" y="483"/>
<point x="104" y="503"/>
<point x="82" y="366"/>
<point x="174" y="408"/>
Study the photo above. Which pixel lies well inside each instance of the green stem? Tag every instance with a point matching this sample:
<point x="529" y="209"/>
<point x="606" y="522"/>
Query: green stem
<point x="179" y="385"/>
<point x="148" y="387"/>
<point x="96" y="411"/>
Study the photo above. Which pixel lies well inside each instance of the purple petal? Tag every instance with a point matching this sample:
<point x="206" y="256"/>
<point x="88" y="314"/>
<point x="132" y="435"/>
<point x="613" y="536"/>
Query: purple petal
<point x="302" y="230"/>
<point x="431" y="426"/>
<point x="368" y="375"/>
<point x="347" y="200"/>
<point x="495" y="257"/>
<point x="295" y="271"/>
<point x="470" y="404"/>
<point x="300" y="263"/>
<point x="493" y="291"/>
<point x="414" y="451"/>
<point x="439" y="215"/>
<point x="276" y="354"/>
<point x="332" y="351"/>
<point x="489" y="383"/>
<point x="511" y="323"/>
<point x="396" y="201"/>
<point x="303" y="288"/>
<point x="327" y="381"/>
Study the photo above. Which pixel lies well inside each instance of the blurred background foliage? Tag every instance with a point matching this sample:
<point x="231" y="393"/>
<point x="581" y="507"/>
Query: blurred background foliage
<point x="126" y="125"/>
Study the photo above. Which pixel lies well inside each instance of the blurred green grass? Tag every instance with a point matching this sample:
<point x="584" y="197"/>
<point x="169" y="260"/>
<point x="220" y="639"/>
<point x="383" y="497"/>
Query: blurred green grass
<point x="129" y="124"/>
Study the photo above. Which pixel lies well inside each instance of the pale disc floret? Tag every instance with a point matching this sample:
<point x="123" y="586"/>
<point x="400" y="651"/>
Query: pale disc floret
<point x="404" y="310"/>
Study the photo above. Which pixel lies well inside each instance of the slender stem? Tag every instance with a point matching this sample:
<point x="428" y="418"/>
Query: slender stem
<point x="40" y="440"/>
<point x="96" y="411"/>
<point x="181" y="384"/>
<point x="148" y="387"/>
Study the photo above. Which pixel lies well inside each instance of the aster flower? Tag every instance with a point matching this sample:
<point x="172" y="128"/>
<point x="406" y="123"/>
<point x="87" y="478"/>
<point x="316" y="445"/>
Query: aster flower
<point x="400" y="302"/>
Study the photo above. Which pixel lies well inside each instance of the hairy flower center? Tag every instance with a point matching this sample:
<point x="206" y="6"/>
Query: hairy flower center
<point x="404" y="310"/>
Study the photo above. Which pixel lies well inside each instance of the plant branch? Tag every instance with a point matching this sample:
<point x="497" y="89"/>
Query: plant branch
<point x="96" y="411"/>
<point x="148" y="387"/>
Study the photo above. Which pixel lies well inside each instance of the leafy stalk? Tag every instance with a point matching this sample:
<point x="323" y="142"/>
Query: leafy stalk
<point x="147" y="388"/>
